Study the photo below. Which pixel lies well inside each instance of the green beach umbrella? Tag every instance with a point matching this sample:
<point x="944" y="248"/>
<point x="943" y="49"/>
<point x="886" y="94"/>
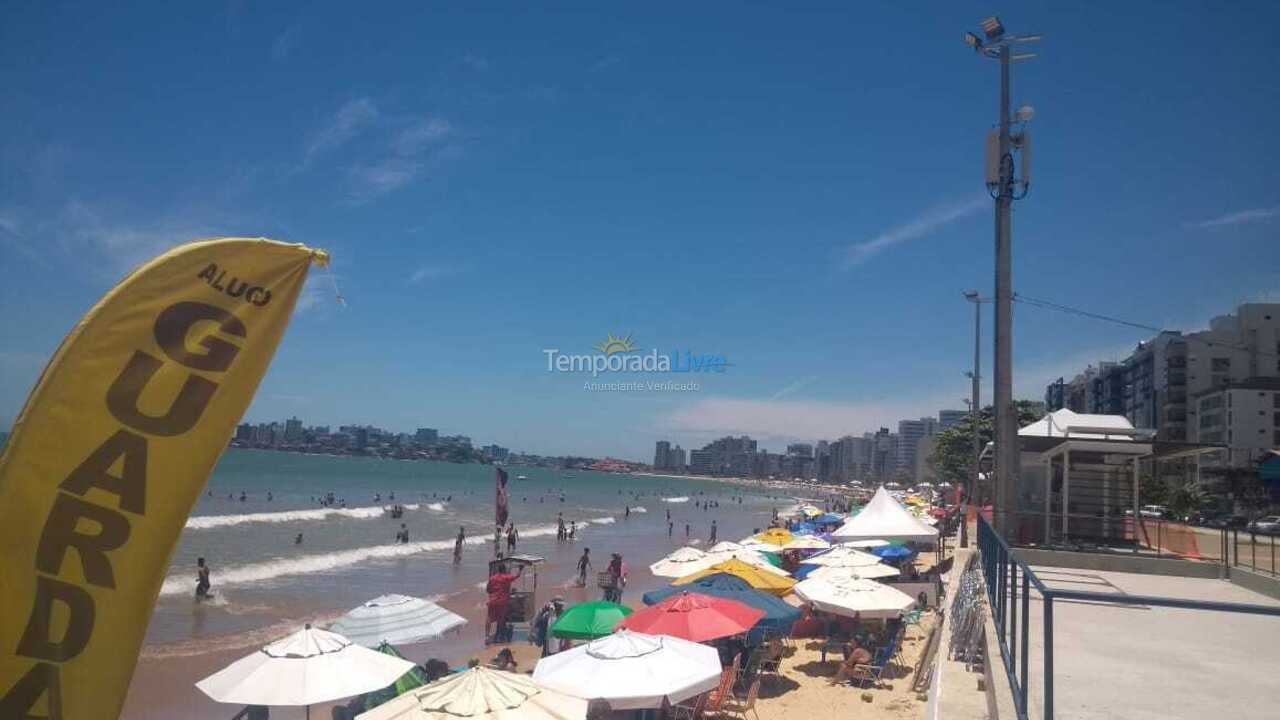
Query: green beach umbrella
<point x="408" y="681"/>
<point x="771" y="557"/>
<point x="589" y="620"/>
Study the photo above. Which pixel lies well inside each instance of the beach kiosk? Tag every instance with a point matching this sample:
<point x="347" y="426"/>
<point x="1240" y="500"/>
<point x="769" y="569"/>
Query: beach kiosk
<point x="524" y="593"/>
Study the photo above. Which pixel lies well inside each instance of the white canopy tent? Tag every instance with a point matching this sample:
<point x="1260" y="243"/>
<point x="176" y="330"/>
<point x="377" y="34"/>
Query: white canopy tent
<point x="885" y="519"/>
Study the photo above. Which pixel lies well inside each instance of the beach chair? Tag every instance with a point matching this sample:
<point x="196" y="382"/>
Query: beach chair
<point x="689" y="709"/>
<point x="740" y="708"/>
<point x="716" y="698"/>
<point x="869" y="674"/>
<point x="912" y="618"/>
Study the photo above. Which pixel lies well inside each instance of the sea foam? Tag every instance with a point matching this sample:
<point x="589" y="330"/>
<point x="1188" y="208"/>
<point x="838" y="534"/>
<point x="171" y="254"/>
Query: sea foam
<point x="206" y="522"/>
<point x="181" y="584"/>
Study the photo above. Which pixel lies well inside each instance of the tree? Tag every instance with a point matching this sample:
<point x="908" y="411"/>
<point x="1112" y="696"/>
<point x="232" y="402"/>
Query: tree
<point x="952" y="457"/>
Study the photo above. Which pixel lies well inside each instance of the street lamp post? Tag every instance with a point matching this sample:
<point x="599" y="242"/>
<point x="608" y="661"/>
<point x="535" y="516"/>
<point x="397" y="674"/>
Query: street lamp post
<point x="996" y="44"/>
<point x="974" y="406"/>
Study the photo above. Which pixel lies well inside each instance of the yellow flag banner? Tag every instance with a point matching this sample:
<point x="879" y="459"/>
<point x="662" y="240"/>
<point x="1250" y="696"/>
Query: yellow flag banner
<point x="110" y="454"/>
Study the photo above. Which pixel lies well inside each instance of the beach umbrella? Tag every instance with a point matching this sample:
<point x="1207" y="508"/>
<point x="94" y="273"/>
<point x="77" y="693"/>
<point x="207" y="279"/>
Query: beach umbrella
<point x="854" y="596"/>
<point x="893" y="552"/>
<point x="679" y="563"/>
<point x="481" y="693"/>
<point x="695" y="617"/>
<point x="758" y="578"/>
<point x="810" y="511"/>
<point x="632" y="671"/>
<point x="804" y="528"/>
<point x="778" y="615"/>
<point x="806" y="542"/>
<point x="396" y="619"/>
<point x="726" y="546"/>
<point x="750" y="556"/>
<point x="829" y="519"/>
<point x="866" y="572"/>
<point x="842" y="556"/>
<point x="775" y="536"/>
<point x="408" y="681"/>
<point x="589" y="620"/>
<point x="308" y="667"/>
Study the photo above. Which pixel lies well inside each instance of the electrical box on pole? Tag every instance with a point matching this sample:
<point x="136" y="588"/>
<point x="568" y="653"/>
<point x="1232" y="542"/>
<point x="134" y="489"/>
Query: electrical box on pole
<point x="993" y="159"/>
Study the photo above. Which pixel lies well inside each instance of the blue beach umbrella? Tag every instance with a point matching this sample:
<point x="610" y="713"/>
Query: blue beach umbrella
<point x="829" y="519"/>
<point x="893" y="552"/>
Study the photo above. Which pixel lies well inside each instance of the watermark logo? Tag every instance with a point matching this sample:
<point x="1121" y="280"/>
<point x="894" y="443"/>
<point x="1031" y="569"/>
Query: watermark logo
<point x="613" y="345"/>
<point x="621" y="355"/>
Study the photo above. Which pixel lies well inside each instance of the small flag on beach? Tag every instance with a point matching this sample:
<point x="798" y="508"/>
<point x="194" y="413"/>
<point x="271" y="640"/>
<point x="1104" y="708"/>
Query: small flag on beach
<point x="500" y="499"/>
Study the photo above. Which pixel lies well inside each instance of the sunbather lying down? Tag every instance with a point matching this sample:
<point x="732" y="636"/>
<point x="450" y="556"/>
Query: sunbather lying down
<point x="853" y="656"/>
<point x="504" y="660"/>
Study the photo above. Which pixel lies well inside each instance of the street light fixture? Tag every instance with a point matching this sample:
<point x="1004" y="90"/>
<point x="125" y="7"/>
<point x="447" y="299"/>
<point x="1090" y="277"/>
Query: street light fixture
<point x="1004" y="189"/>
<point x="974" y="408"/>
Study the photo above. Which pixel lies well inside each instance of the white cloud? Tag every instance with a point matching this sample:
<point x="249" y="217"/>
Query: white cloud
<point x="1241" y="217"/>
<point x="928" y="222"/>
<point x="429" y="272"/>
<point x="125" y="246"/>
<point x="794" y="387"/>
<point x="353" y="117"/>
<point x="402" y="166"/>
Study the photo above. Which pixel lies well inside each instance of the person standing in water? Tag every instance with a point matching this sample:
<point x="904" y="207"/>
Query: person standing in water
<point x="584" y="563"/>
<point x="402" y="536"/>
<point x="671" y="528"/>
<point x="713" y="532"/>
<point x="202" y="580"/>
<point x="457" y="545"/>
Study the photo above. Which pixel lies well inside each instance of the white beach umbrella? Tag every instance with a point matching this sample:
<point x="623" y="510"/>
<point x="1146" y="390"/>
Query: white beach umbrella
<point x="853" y="596"/>
<point x="396" y="619"/>
<point x="726" y="546"/>
<point x="684" y="561"/>
<point x="842" y="556"/>
<point x="806" y="542"/>
<point x="632" y="670"/>
<point x="841" y="572"/>
<point x="308" y="667"/>
<point x="481" y="694"/>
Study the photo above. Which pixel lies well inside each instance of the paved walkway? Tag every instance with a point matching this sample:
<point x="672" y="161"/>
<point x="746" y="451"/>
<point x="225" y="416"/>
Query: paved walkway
<point x="1134" y="662"/>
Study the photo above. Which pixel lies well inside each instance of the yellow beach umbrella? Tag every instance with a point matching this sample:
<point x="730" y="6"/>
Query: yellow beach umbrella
<point x="761" y="580"/>
<point x="775" y="536"/>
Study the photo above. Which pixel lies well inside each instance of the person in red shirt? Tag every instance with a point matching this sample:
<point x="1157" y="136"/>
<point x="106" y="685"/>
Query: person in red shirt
<point x="499" y="589"/>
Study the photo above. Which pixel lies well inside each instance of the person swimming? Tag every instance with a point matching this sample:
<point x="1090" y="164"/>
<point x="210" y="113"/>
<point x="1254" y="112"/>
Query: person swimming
<point x="298" y="540"/>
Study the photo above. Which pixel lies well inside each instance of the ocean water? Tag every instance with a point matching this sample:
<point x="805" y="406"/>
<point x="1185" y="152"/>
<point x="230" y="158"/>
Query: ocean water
<point x="263" y="580"/>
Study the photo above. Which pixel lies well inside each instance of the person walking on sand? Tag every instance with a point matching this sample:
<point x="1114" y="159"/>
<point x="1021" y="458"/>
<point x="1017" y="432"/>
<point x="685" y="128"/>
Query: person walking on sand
<point x="457" y="545"/>
<point x="584" y="563"/>
<point x="202" y="580"/>
<point x="713" y="532"/>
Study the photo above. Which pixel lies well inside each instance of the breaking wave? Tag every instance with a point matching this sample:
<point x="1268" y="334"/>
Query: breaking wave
<point x="676" y="500"/>
<point x="205" y="522"/>
<point x="181" y="583"/>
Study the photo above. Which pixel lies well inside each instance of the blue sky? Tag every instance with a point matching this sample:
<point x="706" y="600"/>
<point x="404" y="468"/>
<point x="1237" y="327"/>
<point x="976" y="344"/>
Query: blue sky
<point x="797" y="189"/>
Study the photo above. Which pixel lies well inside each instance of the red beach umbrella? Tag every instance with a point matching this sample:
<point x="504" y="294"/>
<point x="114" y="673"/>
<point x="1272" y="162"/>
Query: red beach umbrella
<point x="695" y="617"/>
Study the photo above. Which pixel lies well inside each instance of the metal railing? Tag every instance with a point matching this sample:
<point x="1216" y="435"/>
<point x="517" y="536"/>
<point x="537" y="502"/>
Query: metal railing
<point x="1009" y="582"/>
<point x="1257" y="553"/>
